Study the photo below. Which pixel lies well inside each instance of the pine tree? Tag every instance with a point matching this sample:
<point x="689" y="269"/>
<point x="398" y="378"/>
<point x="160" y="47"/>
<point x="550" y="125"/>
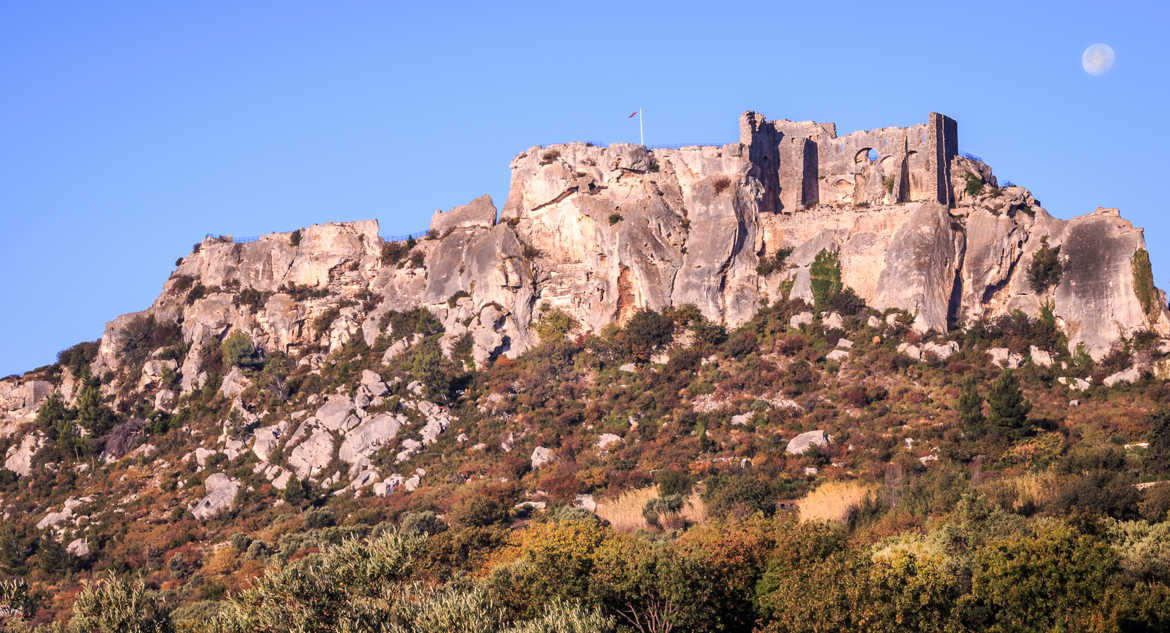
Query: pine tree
<point x="970" y="406"/>
<point x="1007" y="407"/>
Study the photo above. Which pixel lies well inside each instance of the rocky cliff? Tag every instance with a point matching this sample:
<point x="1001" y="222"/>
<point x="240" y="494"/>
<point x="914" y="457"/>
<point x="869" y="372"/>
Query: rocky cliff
<point x="600" y="232"/>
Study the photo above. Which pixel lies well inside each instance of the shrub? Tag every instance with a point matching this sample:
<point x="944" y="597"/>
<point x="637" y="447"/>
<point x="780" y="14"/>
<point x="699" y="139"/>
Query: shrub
<point x="238" y="351"/>
<point x="721" y="184"/>
<point x="768" y="265"/>
<point x="1046" y="269"/>
<point x="453" y="300"/>
<point x="1143" y="283"/>
<point x="294" y="238"/>
<point x="548" y="157"/>
<point x="672" y="481"/>
<point x="554" y="325"/>
<point x="424" y="522"/>
<point x="116" y="605"/>
<point x="659" y="508"/>
<point x="614" y="218"/>
<point x="647" y="332"/>
<point x="974" y="184"/>
<point x="393" y="252"/>
<point x="825" y="278"/>
<point x="739" y="494"/>
<point x="1008" y="410"/>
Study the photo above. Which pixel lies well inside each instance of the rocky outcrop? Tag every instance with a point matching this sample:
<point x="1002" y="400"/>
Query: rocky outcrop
<point x="221" y="492"/>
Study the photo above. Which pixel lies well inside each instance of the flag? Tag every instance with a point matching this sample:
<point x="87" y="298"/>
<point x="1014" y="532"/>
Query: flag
<point x="635" y="113"/>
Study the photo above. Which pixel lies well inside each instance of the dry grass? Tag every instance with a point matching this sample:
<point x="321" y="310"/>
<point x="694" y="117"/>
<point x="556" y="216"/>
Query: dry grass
<point x="833" y="501"/>
<point x="1021" y="491"/>
<point x="625" y="512"/>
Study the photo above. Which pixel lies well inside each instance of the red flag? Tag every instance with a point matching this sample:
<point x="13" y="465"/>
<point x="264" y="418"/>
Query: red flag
<point x="633" y="115"/>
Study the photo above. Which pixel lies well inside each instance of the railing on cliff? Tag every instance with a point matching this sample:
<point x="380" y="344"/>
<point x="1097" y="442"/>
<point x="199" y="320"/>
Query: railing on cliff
<point x="244" y="239"/>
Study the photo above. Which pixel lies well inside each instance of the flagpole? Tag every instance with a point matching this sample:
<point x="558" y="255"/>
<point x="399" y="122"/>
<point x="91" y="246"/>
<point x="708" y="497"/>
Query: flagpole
<point x="641" y="135"/>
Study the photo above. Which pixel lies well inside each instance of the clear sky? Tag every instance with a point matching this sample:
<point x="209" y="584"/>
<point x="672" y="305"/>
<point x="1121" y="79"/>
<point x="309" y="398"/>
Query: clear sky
<point x="129" y="129"/>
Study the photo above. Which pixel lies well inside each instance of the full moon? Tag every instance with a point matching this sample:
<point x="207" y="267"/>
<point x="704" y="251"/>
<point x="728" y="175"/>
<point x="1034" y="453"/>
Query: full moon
<point x="1097" y="59"/>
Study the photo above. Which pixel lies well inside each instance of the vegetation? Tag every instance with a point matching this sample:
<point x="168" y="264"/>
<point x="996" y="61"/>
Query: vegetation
<point x="768" y="265"/>
<point x="974" y="184"/>
<point x="1143" y="284"/>
<point x="825" y="279"/>
<point x="1045" y="270"/>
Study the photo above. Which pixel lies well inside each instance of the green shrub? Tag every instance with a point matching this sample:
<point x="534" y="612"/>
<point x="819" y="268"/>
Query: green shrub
<point x="238" y="351"/>
<point x="116" y="605"/>
<point x="554" y="325"/>
<point x="1045" y="269"/>
<point x="453" y="300"/>
<point x="294" y="238"/>
<point x="739" y="494"/>
<point x="825" y="279"/>
<point x="614" y="218"/>
<point x="1143" y="284"/>
<point x="672" y="481"/>
<point x="768" y="265"/>
<point x="647" y="332"/>
<point x="974" y="184"/>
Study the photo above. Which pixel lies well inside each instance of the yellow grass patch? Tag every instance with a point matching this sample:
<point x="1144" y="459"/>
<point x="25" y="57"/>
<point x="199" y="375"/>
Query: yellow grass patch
<point x="625" y="512"/>
<point x="833" y="501"/>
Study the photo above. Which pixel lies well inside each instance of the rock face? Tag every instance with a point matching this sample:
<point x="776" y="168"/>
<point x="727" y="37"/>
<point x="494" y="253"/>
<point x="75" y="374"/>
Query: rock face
<point x="221" y="492"/>
<point x="601" y="232"/>
<point x="804" y="442"/>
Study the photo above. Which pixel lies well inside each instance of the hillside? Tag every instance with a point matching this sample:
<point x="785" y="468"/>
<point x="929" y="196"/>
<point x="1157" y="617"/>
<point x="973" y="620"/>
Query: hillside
<point x="702" y="389"/>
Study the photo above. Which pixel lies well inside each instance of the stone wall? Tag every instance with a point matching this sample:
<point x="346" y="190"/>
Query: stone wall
<point x="802" y="163"/>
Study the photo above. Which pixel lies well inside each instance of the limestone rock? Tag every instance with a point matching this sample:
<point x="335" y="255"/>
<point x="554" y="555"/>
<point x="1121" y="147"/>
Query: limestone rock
<point x="79" y="547"/>
<point x="541" y="456"/>
<point x="18" y="459"/>
<point x="1039" y="357"/>
<point x="940" y="351"/>
<point x="805" y="441"/>
<point x="1129" y="374"/>
<point x="266" y="438"/>
<point x="234" y="383"/>
<point x="837" y="355"/>
<point x="362" y="442"/>
<point x="1076" y="384"/>
<point x="606" y="440"/>
<point x="797" y="320"/>
<point x="479" y="213"/>
<point x="221" y="492"/>
<point x="1005" y="358"/>
<point x="312" y="455"/>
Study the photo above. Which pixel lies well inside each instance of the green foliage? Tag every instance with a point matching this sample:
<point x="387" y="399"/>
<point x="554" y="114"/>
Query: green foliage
<point x="1045" y="269"/>
<point x="1007" y="407"/>
<point x="1143" y="283"/>
<point x="614" y="218"/>
<point x="78" y="357"/>
<point x="768" y="265"/>
<point x="294" y="238"/>
<point x="672" y="481"/>
<point x="453" y="300"/>
<point x="1159" y="451"/>
<point x="238" y="351"/>
<point x="739" y="494"/>
<point x="411" y="322"/>
<point x="647" y="332"/>
<point x="658" y="508"/>
<point x="825" y="279"/>
<point x="394" y="252"/>
<point x="116" y="605"/>
<point x="554" y="325"/>
<point x="970" y="407"/>
<point x="973" y="185"/>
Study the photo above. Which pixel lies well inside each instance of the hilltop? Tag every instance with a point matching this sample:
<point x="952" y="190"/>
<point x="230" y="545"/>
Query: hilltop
<point x="799" y="325"/>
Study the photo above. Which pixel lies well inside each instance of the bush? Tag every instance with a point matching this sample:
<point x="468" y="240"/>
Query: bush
<point x="238" y="351"/>
<point x="768" y="265"/>
<point x="424" y="522"/>
<point x="1046" y="269"/>
<point x="295" y="238"/>
<point x="672" y="481"/>
<point x="974" y="184"/>
<point x="554" y="326"/>
<point x="614" y="218"/>
<point x="78" y="357"/>
<point x="825" y="279"/>
<point x="647" y="332"/>
<point x="739" y="494"/>
<point x="116" y="605"/>
<point x="1143" y="283"/>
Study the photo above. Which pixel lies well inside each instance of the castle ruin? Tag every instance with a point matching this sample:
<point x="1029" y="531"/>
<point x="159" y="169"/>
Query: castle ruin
<point x="803" y="163"/>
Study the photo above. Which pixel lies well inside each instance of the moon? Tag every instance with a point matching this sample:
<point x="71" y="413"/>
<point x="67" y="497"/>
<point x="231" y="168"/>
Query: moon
<point x="1097" y="59"/>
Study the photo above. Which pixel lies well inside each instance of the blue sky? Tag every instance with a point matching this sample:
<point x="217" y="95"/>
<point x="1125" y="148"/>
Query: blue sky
<point x="131" y="129"/>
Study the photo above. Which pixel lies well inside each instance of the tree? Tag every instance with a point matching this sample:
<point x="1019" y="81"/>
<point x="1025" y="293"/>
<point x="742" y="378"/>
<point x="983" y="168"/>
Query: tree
<point x="1159" y="454"/>
<point x="970" y="406"/>
<point x="1045" y="270"/>
<point x="646" y="333"/>
<point x="825" y="278"/>
<point x="239" y="351"/>
<point x="92" y="414"/>
<point x="1007" y="407"/>
<point x="116" y="605"/>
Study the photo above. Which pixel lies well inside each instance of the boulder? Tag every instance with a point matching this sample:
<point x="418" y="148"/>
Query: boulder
<point x="363" y="441"/>
<point x="312" y="455"/>
<point x="479" y="213"/>
<point x="606" y="440"/>
<point x="800" y="319"/>
<point x="541" y="456"/>
<point x="18" y="458"/>
<point x="1129" y="374"/>
<point x="1005" y="358"/>
<point x="1039" y="357"/>
<point x="221" y="492"/>
<point x="805" y="441"/>
<point x="266" y="438"/>
<point x="940" y="351"/>
<point x="837" y="355"/>
<point x="79" y="547"/>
